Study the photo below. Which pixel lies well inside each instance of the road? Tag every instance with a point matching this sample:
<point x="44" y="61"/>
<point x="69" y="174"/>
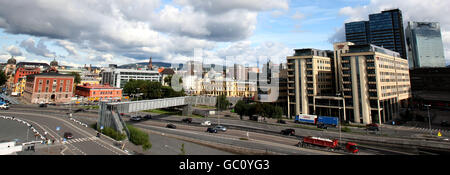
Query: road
<point x="84" y="141"/>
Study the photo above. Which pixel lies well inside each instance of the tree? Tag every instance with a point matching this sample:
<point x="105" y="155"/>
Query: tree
<point x="222" y="103"/>
<point x="182" y="150"/>
<point x="77" y="78"/>
<point x="241" y="108"/>
<point x="3" y="78"/>
<point x="168" y="80"/>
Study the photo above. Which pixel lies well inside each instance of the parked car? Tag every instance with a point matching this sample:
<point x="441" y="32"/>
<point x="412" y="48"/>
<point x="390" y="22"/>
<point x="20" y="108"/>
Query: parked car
<point x="148" y="116"/>
<point x="206" y="123"/>
<point x="170" y="125"/>
<point x="187" y="120"/>
<point x="68" y="135"/>
<point x="288" y="132"/>
<point x="227" y="115"/>
<point x="322" y="126"/>
<point x="211" y="130"/>
<point x="220" y="128"/>
<point x="136" y="118"/>
<point x="42" y="105"/>
<point x="372" y="127"/>
<point x="281" y="121"/>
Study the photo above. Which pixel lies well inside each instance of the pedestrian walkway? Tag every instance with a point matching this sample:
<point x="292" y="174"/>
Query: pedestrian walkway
<point x="12" y="100"/>
<point x="78" y="140"/>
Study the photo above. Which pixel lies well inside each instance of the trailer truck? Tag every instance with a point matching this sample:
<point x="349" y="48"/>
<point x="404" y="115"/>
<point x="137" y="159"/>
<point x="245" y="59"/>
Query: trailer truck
<point x="332" y="145"/>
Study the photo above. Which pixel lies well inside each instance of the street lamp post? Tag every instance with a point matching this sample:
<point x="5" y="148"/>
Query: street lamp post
<point x="429" y="118"/>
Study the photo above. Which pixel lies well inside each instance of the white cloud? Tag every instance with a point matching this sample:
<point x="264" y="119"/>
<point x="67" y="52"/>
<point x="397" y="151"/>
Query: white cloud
<point x="40" y="49"/>
<point x="14" y="51"/>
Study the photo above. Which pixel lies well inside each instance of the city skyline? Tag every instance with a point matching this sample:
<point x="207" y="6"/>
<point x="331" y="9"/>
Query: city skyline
<point x="271" y="29"/>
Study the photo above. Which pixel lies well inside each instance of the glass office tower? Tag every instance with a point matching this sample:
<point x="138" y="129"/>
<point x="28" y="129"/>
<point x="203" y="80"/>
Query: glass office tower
<point x="425" y="47"/>
<point x="357" y="32"/>
<point x="383" y="29"/>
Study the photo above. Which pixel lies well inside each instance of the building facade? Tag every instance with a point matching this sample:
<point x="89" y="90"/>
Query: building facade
<point x="383" y="29"/>
<point x="96" y="92"/>
<point x="119" y="77"/>
<point x="49" y="87"/>
<point x="309" y="75"/>
<point x="357" y="32"/>
<point x="425" y="47"/>
<point x="375" y="82"/>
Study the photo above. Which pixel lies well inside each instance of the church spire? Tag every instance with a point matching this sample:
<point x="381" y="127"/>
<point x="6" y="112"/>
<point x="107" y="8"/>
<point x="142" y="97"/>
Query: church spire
<point x="150" y="65"/>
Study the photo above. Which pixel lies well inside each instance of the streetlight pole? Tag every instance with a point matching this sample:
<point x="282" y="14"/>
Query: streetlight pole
<point x="429" y="118"/>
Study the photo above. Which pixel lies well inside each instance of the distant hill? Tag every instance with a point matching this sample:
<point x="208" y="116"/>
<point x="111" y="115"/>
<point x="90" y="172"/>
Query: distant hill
<point x="144" y="65"/>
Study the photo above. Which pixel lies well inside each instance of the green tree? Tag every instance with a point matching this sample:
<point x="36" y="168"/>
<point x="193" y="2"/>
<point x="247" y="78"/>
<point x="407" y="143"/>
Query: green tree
<point x="3" y="78"/>
<point x="222" y="103"/>
<point x="168" y="80"/>
<point x="77" y="77"/>
<point x="241" y="108"/>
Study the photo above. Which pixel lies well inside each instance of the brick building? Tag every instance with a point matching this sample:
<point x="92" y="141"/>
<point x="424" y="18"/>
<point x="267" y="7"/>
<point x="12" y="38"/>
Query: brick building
<point x="96" y="92"/>
<point x="48" y="87"/>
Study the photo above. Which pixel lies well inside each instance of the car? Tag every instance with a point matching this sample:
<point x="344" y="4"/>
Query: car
<point x="187" y="120"/>
<point x="172" y="126"/>
<point x="281" y="121"/>
<point x="445" y="123"/>
<point x="289" y="131"/>
<point x="148" y="116"/>
<point x="322" y="126"/>
<point x="43" y="105"/>
<point x="227" y="115"/>
<point x="372" y="127"/>
<point x="68" y="135"/>
<point x="206" y="123"/>
<point x="211" y="130"/>
<point x="220" y="128"/>
<point x="136" y="118"/>
<point x="4" y="106"/>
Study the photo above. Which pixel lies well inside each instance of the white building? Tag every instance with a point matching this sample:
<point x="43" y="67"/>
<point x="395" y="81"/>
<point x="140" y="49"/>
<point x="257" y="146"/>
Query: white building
<point x="119" y="77"/>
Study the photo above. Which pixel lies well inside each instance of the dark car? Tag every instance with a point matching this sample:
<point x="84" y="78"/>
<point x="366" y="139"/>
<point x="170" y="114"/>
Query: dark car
<point x="445" y="123"/>
<point x="227" y="115"/>
<point x="322" y="126"/>
<point x="148" y="116"/>
<point x="187" y="120"/>
<point x="136" y="118"/>
<point x="281" y="121"/>
<point x="68" y="135"/>
<point x="43" y="105"/>
<point x="372" y="127"/>
<point x="171" y="126"/>
<point x="288" y="132"/>
<point x="211" y="130"/>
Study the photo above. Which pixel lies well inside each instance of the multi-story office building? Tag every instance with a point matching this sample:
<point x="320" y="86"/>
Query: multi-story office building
<point x="309" y="75"/>
<point x="370" y="83"/>
<point x="119" y="77"/>
<point x="383" y="29"/>
<point x="375" y="82"/>
<point x="357" y="32"/>
<point x="425" y="48"/>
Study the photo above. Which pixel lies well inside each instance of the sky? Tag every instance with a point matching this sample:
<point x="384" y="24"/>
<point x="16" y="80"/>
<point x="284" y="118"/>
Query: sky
<point x="102" y="32"/>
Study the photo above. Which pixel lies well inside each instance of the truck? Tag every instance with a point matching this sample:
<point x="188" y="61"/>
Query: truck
<point x="332" y="145"/>
<point x="303" y="118"/>
<point x="328" y="121"/>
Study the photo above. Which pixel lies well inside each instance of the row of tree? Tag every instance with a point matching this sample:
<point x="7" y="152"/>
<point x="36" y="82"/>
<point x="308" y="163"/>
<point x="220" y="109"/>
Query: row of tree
<point x="259" y="109"/>
<point x="150" y="90"/>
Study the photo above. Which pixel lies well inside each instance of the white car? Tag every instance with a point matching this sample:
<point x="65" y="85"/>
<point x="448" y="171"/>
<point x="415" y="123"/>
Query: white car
<point x="4" y="106"/>
<point x="206" y="123"/>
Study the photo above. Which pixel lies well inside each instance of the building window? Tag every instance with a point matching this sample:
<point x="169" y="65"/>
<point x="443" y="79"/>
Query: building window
<point x="48" y="81"/>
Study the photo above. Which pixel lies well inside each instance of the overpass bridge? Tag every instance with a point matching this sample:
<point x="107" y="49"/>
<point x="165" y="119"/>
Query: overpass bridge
<point x="109" y="112"/>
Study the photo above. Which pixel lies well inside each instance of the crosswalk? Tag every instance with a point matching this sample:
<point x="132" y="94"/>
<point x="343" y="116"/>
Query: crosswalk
<point x="78" y="140"/>
<point x="10" y="99"/>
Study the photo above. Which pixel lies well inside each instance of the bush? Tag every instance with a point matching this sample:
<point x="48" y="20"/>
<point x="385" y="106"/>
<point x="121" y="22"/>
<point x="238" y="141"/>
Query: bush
<point x="113" y="134"/>
<point x="139" y="137"/>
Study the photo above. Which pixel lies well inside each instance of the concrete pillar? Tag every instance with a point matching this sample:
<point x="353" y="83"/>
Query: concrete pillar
<point x="187" y="110"/>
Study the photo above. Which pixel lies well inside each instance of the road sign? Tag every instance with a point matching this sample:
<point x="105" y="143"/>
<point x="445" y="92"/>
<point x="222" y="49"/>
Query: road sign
<point x="101" y="127"/>
<point x="58" y="128"/>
